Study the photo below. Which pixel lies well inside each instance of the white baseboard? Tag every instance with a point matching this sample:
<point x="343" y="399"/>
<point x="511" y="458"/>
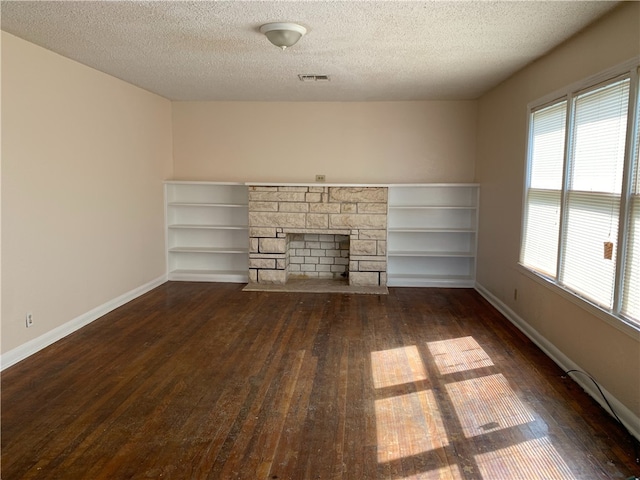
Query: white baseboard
<point x="32" y="346"/>
<point x="628" y="418"/>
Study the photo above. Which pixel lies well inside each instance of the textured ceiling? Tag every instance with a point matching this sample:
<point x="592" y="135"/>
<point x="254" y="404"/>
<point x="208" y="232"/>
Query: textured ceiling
<point x="372" y="50"/>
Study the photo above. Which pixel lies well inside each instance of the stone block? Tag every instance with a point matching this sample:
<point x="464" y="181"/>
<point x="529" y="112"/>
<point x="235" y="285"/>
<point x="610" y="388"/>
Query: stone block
<point x="313" y="197"/>
<point x="383" y="279"/>
<point x="312" y="245"/>
<point x="281" y="264"/>
<point x="279" y="219"/>
<point x="364" y="247"/>
<point x="353" y="265"/>
<point x="313" y="260"/>
<point x="317" y="189"/>
<point x="364" y="279"/>
<point x="292" y="189"/>
<point x="263" y="206"/>
<point x="327" y="238"/>
<point x="302" y="252"/>
<point x="338" y="268"/>
<point x="327" y="260"/>
<point x="273" y="245"/>
<point x="317" y="220"/>
<point x="296" y="260"/>
<point x="307" y="267"/>
<point x="278" y="277"/>
<point x="372" y="208"/>
<point x="262" y="232"/>
<point x="352" y="220"/>
<point x="348" y="208"/>
<point x="253" y="245"/>
<point x="262" y="263"/>
<point x="382" y="247"/>
<point x="323" y="268"/>
<point x="324" y="207"/>
<point x="340" y="260"/>
<point x="277" y="196"/>
<point x="373" y="234"/>
<point x="294" y="207"/>
<point x="328" y="245"/>
<point x="358" y="194"/>
<point x="263" y="189"/>
<point x="294" y="267"/>
<point x="296" y="244"/>
<point x="368" y="266"/>
<point x="318" y="253"/>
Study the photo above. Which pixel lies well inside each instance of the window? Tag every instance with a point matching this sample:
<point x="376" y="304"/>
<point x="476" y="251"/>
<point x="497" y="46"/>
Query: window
<point x="582" y="198"/>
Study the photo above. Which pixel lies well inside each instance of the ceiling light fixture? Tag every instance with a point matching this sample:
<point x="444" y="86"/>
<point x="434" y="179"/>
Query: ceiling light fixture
<point x="283" y="35"/>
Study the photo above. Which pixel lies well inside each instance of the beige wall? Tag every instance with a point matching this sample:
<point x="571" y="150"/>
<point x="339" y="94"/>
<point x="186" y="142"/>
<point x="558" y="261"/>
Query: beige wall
<point x="348" y="142"/>
<point x="608" y="354"/>
<point x="83" y="160"/>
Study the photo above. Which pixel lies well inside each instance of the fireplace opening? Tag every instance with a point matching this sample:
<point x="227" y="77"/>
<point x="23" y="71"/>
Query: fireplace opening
<point x="317" y="256"/>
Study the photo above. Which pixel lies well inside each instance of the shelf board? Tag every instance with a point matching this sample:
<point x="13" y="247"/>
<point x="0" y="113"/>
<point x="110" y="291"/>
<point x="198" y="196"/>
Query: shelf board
<point x="195" y="204"/>
<point x="418" y="280"/>
<point x="232" y="276"/>
<point x="418" y="253"/>
<point x="430" y="230"/>
<point x="209" y="250"/>
<point x="433" y="207"/>
<point x="211" y="227"/>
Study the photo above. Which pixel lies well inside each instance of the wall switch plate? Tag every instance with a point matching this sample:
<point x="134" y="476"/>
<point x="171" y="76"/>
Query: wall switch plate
<point x="29" y="320"/>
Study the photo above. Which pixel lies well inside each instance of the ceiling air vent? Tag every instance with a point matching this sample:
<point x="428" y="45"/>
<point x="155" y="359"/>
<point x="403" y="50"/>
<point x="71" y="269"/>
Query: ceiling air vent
<point x="313" y="78"/>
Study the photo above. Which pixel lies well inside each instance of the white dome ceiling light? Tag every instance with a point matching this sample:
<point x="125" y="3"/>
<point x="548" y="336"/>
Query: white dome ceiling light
<point x="283" y="34"/>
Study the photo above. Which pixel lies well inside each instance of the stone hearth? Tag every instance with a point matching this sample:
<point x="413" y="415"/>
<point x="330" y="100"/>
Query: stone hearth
<point x="285" y="222"/>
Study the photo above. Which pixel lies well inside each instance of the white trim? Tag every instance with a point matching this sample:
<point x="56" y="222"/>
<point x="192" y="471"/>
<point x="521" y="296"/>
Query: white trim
<point x="628" y="418"/>
<point x="35" y="345"/>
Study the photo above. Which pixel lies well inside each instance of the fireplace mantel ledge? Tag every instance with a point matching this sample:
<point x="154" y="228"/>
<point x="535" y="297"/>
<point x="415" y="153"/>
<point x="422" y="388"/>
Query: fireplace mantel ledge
<point x="313" y="184"/>
<point x="325" y="184"/>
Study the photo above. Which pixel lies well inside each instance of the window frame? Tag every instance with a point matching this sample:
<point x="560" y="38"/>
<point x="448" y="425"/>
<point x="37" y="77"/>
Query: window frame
<point x="613" y="316"/>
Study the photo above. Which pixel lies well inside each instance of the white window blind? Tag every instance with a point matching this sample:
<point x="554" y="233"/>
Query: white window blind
<point x="631" y="281"/>
<point x="590" y="233"/>
<point x="542" y="207"/>
<point x="582" y="193"/>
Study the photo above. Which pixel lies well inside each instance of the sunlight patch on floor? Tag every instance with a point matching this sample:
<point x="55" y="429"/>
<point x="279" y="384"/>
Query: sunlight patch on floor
<point x="397" y="366"/>
<point x="458" y="355"/>
<point x="532" y="460"/>
<point x="408" y="425"/>
<point x="486" y="404"/>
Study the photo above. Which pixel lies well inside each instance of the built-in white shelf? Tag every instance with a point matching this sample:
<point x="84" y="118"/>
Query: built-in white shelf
<point x="432" y="235"/>
<point x="207" y="231"/>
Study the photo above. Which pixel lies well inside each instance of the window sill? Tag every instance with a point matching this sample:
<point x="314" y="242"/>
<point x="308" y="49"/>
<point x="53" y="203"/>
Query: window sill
<point x="619" y="323"/>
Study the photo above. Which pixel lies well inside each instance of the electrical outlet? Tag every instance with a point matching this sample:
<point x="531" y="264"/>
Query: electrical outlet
<point x="29" y="320"/>
<point x="320" y="178"/>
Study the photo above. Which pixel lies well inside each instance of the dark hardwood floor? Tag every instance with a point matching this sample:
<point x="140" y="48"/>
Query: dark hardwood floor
<point x="204" y="381"/>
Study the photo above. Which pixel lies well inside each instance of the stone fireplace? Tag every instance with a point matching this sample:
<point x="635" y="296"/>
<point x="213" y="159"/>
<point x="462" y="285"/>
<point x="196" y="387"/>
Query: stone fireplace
<point x="324" y="232"/>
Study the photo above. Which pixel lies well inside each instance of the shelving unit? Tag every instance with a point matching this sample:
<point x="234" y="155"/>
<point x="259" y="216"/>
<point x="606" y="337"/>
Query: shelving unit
<point x="207" y="231"/>
<point x="432" y="235"/>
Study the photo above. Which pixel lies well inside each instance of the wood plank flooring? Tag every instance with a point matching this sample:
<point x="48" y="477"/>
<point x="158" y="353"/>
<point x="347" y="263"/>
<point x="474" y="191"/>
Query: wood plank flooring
<point x="204" y="381"/>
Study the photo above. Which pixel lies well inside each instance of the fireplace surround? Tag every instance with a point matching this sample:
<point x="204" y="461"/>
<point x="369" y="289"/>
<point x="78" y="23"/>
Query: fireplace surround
<point x="286" y="221"/>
